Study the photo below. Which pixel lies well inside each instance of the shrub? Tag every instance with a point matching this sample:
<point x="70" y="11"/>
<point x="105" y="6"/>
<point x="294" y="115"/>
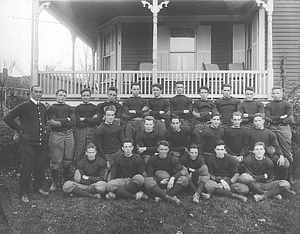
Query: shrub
<point x="9" y="149"/>
<point x="294" y="98"/>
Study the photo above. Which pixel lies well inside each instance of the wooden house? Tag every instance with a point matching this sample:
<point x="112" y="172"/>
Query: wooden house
<point x="201" y="42"/>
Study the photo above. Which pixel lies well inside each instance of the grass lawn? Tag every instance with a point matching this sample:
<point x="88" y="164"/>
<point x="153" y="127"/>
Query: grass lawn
<point x="59" y="213"/>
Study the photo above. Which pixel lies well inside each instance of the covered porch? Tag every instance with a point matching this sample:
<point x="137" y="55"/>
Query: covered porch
<point x="133" y="44"/>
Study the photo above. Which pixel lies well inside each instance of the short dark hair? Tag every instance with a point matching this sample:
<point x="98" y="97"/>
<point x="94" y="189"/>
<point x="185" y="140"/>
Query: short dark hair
<point x="157" y="85"/>
<point x="179" y="82"/>
<point x="194" y="146"/>
<point x="90" y="145"/>
<point x="164" y="143"/>
<point x="204" y="87"/>
<point x="260" y="143"/>
<point x="237" y="113"/>
<point x="113" y="88"/>
<point x="262" y="115"/>
<point x="109" y="108"/>
<point x="277" y="87"/>
<point x="250" y="88"/>
<point x="215" y="114"/>
<point x="149" y="118"/>
<point x="175" y="117"/>
<point x="127" y="140"/>
<point x="33" y="86"/>
<point x="220" y="142"/>
<point x="226" y="85"/>
<point x="85" y="90"/>
<point x="135" y="83"/>
<point x="61" y="90"/>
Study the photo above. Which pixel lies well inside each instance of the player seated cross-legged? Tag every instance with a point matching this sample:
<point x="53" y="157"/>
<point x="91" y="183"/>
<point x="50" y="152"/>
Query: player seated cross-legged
<point x="89" y="176"/>
<point x="165" y="172"/>
<point x="127" y="175"/>
<point x="223" y="170"/>
<point x="259" y="175"/>
<point x="198" y="172"/>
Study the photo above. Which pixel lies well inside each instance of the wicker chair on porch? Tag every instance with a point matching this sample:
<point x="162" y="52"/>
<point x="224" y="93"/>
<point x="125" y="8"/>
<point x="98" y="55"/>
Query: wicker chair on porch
<point x="211" y="67"/>
<point x="236" y="66"/>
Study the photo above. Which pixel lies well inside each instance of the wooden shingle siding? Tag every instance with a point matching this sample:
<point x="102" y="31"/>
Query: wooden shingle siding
<point x="221" y="44"/>
<point x="136" y="45"/>
<point x="286" y="38"/>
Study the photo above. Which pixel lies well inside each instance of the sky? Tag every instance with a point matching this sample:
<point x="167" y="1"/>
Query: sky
<point x="55" y="47"/>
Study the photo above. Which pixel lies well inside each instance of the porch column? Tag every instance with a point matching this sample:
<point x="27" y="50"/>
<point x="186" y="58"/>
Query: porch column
<point x="268" y="6"/>
<point x="73" y="38"/>
<point x="154" y="56"/>
<point x="155" y="8"/>
<point x="261" y="40"/>
<point x="36" y="10"/>
<point x="34" y="42"/>
<point x="94" y="58"/>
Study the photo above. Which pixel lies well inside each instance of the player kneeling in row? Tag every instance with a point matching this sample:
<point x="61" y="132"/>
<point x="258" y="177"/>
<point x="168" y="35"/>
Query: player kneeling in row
<point x="89" y="176"/>
<point x="259" y="175"/>
<point x="223" y="169"/>
<point x="165" y="171"/>
<point x="198" y="171"/>
<point x="127" y="175"/>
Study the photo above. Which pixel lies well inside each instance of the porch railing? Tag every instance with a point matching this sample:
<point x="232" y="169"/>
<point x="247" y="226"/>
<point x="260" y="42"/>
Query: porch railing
<point x="100" y="81"/>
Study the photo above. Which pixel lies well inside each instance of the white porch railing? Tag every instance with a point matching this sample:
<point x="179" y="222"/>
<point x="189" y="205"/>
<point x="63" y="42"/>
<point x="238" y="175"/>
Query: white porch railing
<point x="100" y="81"/>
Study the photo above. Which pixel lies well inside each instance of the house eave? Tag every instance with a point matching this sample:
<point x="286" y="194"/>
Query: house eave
<point x="83" y="18"/>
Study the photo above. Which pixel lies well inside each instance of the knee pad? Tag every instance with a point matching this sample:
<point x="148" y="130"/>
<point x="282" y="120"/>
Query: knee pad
<point x="101" y="187"/>
<point x="111" y="186"/>
<point x="284" y="184"/>
<point x="139" y="180"/>
<point x="184" y="172"/>
<point x="210" y="186"/>
<point x="68" y="186"/>
<point x="203" y="178"/>
<point x="240" y="188"/>
<point x="183" y="180"/>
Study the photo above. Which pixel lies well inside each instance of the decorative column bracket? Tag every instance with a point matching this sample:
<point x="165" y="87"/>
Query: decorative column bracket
<point x="155" y="8"/>
<point x="268" y="6"/>
<point x="44" y="6"/>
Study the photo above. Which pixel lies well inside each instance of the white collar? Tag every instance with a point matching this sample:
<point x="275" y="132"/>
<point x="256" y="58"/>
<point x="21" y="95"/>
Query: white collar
<point x="34" y="101"/>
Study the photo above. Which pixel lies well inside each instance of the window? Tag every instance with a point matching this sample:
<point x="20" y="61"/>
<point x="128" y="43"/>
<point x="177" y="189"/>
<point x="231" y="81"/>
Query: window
<point x="182" y="49"/>
<point x="108" y="40"/>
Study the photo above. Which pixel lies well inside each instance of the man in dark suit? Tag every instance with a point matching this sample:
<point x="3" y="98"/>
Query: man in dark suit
<point x="32" y="116"/>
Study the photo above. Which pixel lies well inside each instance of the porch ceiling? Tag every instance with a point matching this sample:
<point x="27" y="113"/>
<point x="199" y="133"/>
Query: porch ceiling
<point x="84" y="17"/>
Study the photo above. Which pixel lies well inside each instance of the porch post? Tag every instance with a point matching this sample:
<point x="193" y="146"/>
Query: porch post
<point x="73" y="38"/>
<point x="154" y="55"/>
<point x="34" y="42"/>
<point x="155" y="8"/>
<point x="261" y="40"/>
<point x="36" y="10"/>
<point x="268" y="6"/>
<point x="94" y="58"/>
